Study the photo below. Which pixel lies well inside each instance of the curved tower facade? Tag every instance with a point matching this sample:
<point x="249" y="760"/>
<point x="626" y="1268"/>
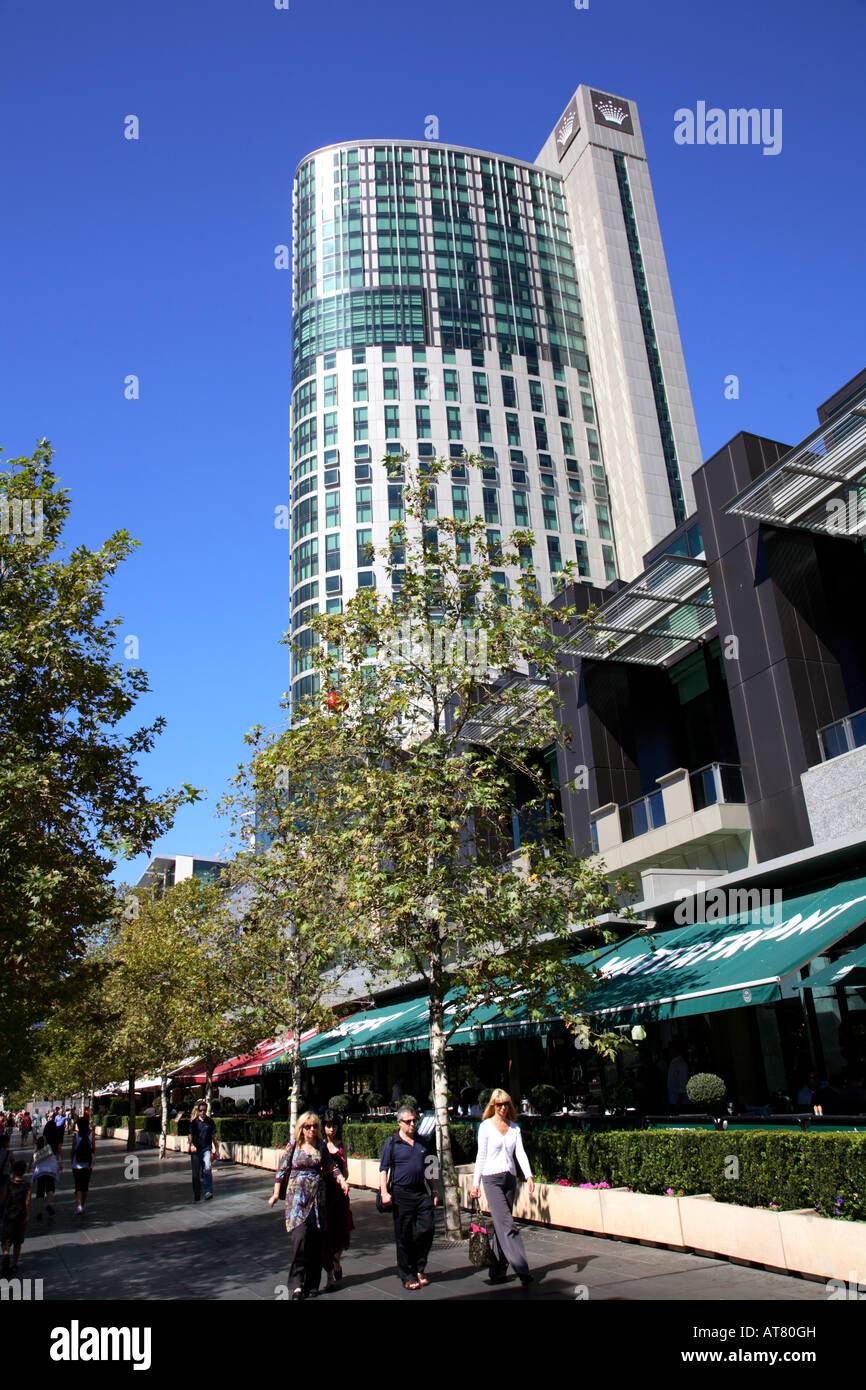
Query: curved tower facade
<point x="439" y="308"/>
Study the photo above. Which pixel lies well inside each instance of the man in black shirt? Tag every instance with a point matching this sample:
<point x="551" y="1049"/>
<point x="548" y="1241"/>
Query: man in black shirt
<point x="202" y="1150"/>
<point x="411" y="1197"/>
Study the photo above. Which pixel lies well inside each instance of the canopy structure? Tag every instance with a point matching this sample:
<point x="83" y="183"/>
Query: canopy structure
<point x="652" y="619"/>
<point x="819" y="485"/>
<point x="405" y="1027"/>
<point x="849" y="971"/>
<point x="272" y="1055"/>
<point x="739" y="960"/>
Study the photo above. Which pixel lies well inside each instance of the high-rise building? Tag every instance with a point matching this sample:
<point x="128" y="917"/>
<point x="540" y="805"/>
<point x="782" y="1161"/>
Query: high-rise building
<point x="447" y="300"/>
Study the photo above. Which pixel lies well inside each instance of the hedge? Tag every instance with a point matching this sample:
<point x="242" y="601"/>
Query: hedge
<point x="368" y="1140"/>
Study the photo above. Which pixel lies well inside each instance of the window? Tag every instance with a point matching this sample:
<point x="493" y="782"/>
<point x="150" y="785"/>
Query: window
<point x="452" y="386"/>
<point x="332" y="477"/>
<point x="455" y="430"/>
<point x="363" y="473"/>
<point x="460" y="503"/>
<point x="491" y="505"/>
<point x="330" y="428"/>
<point x="329" y="361"/>
<point x="521" y="510"/>
<point x="554" y="554"/>
<point x="333" y="605"/>
<point x="332" y="553"/>
<point x="494" y="547"/>
<point x="363" y="504"/>
<point x="567" y="436"/>
<point x="305" y="560"/>
<point x="419" y="354"/>
<point x="332" y="510"/>
<point x="582" y="552"/>
<point x="592" y="441"/>
<point x="536" y="396"/>
<point x="395" y="502"/>
<point x="509" y="392"/>
<point x="479" y="381"/>
<point x="548" y="510"/>
<point x="483" y="421"/>
<point x="329" y="395"/>
<point x="430" y="508"/>
<point x="392" y="421"/>
<point x="359" y="386"/>
<point x="422" y="421"/>
<point x="421" y="383"/>
<point x="477" y="353"/>
<point x="364" y="547"/>
<point x="518" y="477"/>
<point x="540" y="432"/>
<point x="305" y="518"/>
<point x="609" y="562"/>
<point x="306" y="594"/>
<point x="578" y="517"/>
<point x="363" y="451"/>
<point x="391" y="383"/>
<point x="603" y="518"/>
<point x="512" y="424"/>
<point x="359" y="354"/>
<point x="360" y="421"/>
<point x="562" y="403"/>
<point x="389" y="354"/>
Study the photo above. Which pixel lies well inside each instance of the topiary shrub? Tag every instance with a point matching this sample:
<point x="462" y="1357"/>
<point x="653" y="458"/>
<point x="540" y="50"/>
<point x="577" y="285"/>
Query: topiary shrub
<point x="484" y="1096"/>
<point x="340" y="1104"/>
<point x="545" y="1099"/>
<point x="705" y="1088"/>
<point x="375" y="1100"/>
<point x="407" y="1100"/>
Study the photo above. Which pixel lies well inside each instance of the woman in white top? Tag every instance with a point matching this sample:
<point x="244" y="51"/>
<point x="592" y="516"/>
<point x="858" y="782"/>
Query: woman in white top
<point x="499" y="1144"/>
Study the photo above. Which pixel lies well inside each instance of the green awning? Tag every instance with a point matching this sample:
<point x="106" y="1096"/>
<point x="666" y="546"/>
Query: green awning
<point x="849" y="970"/>
<point x="405" y="1027"/>
<point x="739" y="960"/>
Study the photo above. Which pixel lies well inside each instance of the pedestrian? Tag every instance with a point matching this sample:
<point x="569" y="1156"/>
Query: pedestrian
<point x="53" y="1132"/>
<point x="5" y="1171"/>
<point x="82" y="1162"/>
<point x="499" y="1145"/>
<point x="27" y="1125"/>
<point x="404" y="1185"/>
<point x="45" y="1175"/>
<point x="15" y="1217"/>
<point x="337" y="1209"/>
<point x="305" y="1169"/>
<point x="203" y="1149"/>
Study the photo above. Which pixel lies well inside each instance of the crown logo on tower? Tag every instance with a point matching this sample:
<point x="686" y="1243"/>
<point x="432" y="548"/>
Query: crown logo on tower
<point x="565" y="128"/>
<point x="612" y="112"/>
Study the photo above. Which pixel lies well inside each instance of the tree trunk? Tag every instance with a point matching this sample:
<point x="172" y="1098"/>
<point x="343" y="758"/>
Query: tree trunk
<point x="130" y="1133"/>
<point x="208" y="1092"/>
<point x="447" y="1172"/>
<point x="296" y="1077"/>
<point x="163" y="1129"/>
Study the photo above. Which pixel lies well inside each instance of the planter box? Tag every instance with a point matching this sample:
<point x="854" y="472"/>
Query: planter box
<point x="752" y="1235"/>
<point x="817" y="1245"/>
<point x="637" y="1216"/>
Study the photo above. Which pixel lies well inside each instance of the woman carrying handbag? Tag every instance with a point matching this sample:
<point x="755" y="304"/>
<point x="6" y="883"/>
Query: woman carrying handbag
<point x="500" y="1148"/>
<point x="305" y="1168"/>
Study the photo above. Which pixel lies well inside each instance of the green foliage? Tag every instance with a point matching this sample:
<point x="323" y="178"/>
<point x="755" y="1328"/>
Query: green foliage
<point x="339" y="1103"/>
<point x="705" y="1088"/>
<point x="484" y="1097"/>
<point x="375" y="1100"/>
<point x="407" y="1100"/>
<point x="367" y="1140"/>
<point x="71" y="801"/>
<point x="545" y="1099"/>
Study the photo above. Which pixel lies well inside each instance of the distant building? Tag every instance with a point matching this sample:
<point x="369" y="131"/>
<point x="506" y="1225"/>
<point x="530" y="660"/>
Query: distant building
<point x="166" y="871"/>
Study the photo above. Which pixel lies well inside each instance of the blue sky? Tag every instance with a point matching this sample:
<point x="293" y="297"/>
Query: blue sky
<point x="155" y="257"/>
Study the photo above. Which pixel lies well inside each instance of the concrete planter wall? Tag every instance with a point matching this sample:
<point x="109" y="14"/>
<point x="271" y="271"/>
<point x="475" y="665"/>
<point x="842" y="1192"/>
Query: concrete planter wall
<point x="799" y="1242"/>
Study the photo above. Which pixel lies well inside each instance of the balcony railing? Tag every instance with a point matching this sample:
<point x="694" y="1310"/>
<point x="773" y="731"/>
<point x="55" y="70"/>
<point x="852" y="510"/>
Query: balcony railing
<point x="843" y="736"/>
<point x="716" y="782"/>
<point x="640" y="816"/>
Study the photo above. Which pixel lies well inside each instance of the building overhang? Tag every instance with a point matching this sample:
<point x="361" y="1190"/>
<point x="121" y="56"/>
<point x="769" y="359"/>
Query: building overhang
<point x="651" y="620"/>
<point x="820" y="485"/>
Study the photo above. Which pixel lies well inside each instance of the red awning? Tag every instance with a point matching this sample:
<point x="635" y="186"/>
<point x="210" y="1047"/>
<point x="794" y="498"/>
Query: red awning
<point x="250" y="1063"/>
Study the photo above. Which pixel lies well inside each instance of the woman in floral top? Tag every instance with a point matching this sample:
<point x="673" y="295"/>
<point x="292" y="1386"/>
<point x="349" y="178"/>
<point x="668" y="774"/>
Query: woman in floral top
<point x="305" y="1168"/>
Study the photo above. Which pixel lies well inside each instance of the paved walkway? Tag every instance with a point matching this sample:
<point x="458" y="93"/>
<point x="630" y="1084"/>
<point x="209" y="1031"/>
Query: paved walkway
<point x="144" y="1238"/>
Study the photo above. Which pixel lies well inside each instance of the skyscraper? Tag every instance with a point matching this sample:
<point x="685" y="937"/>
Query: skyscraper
<point x="450" y="300"/>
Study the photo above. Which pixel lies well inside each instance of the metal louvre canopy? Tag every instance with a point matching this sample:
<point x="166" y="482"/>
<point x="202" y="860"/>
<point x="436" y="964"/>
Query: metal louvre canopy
<point x="507" y="705"/>
<point x="667" y="607"/>
<point x="849" y="971"/>
<point x="820" y="485"/>
<point x="738" y="961"/>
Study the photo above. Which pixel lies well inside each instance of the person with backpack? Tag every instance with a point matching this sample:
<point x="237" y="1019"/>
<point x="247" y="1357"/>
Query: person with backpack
<point x="15" y="1217"/>
<point x="45" y="1175"/>
<point x="406" y="1190"/>
<point x="82" y="1163"/>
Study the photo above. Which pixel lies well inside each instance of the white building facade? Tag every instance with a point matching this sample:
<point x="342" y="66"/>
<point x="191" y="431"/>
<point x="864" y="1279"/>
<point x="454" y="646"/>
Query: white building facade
<point x="450" y="301"/>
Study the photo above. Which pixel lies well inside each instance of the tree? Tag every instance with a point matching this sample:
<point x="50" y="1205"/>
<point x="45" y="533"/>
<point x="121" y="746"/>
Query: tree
<point x="436" y="703"/>
<point x="71" y="801"/>
<point x="294" y="936"/>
